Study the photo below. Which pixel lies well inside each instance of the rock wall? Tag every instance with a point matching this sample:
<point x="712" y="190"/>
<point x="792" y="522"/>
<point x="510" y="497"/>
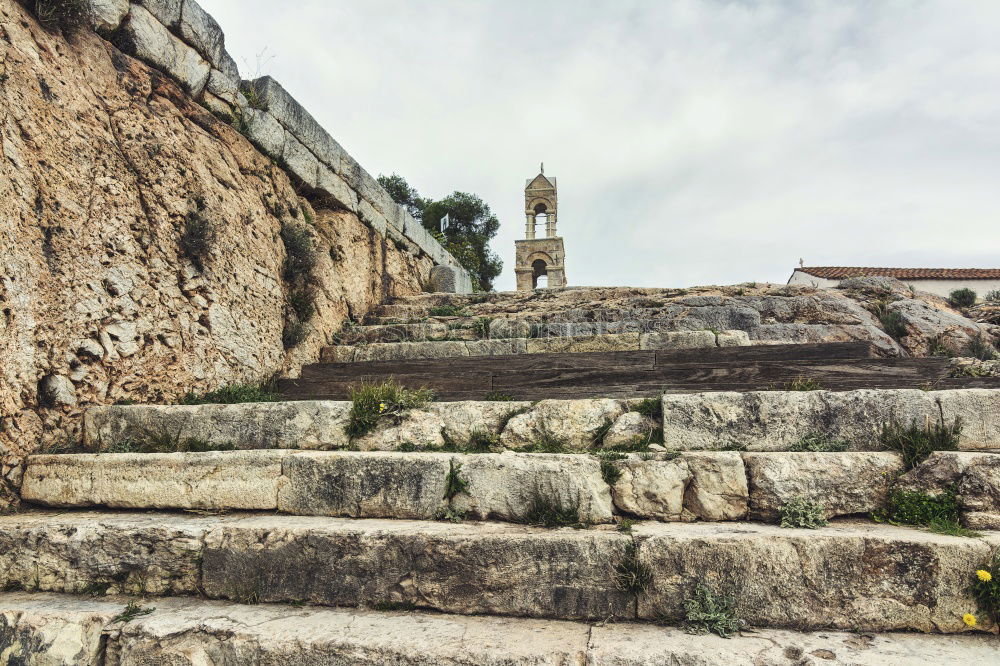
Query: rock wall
<point x="105" y="162"/>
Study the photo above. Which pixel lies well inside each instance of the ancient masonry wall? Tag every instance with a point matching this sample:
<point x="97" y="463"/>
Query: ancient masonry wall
<point x="179" y="38"/>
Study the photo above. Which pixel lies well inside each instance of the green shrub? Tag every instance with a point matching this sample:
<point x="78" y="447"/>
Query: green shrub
<point x="916" y="442"/>
<point x="498" y="396"/>
<point x="803" y="513"/>
<point x="301" y="303"/>
<point x="986" y="588"/>
<point x="630" y="574"/>
<point x="197" y="239"/>
<point x="705" y="611"/>
<point x="651" y="407"/>
<point x="69" y="15"/>
<point x="625" y="525"/>
<point x="300" y="252"/>
<point x="543" y="512"/>
<point x="979" y="347"/>
<point x="447" y="311"/>
<point x="891" y="320"/>
<point x="372" y="402"/>
<point x="482" y="327"/>
<point x="232" y="394"/>
<point x="962" y="298"/>
<point x="293" y="333"/>
<point x="993" y="296"/>
<point x="912" y="507"/>
<point x="820" y="443"/>
<point x="610" y="472"/>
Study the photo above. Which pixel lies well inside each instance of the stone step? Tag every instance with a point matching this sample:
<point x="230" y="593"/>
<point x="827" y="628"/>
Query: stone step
<point x="57" y="629"/>
<point x="850" y="575"/>
<point x="457" y="344"/>
<point x="756" y="421"/>
<point x="689" y="486"/>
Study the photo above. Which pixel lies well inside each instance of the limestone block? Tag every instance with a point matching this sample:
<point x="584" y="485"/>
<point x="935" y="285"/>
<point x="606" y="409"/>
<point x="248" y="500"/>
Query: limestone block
<point x="844" y="483"/>
<point x="572" y="423"/>
<point x="299" y="161"/>
<point x="504" y="327"/>
<point x="775" y="420"/>
<point x="154" y="553"/>
<point x="395" y="351"/>
<point x="419" y="428"/>
<point x="365" y="485"/>
<point x="497" y="568"/>
<point x="677" y="340"/>
<point x="335" y="187"/>
<point x="370" y="216"/>
<point x="436" y="424"/>
<point x="442" y="279"/>
<point x="506" y="486"/>
<point x="202" y="32"/>
<point x="108" y="14"/>
<point x="220" y="108"/>
<point x="979" y="489"/>
<point x="591" y="343"/>
<point x="337" y="354"/>
<point x="213" y="480"/>
<point x="459" y="420"/>
<point x="167" y="12"/>
<point x="294" y="117"/>
<point x="265" y="132"/>
<point x="57" y="390"/>
<point x="629" y="428"/>
<point x="876" y="576"/>
<point x="939" y="472"/>
<point x="303" y="424"/>
<point x="796" y="333"/>
<point x="718" y="488"/>
<point x="499" y="347"/>
<point x="149" y="40"/>
<point x="53" y="630"/>
<point x="652" y="488"/>
<point x="732" y="338"/>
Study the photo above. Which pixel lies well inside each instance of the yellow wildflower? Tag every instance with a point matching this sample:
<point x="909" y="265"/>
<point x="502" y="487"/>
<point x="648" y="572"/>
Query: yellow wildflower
<point x="381" y="407"/>
<point x="984" y="576"/>
<point x="969" y="619"/>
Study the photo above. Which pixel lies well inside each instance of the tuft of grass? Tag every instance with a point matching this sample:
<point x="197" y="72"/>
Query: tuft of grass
<point x="301" y="301"/>
<point x="372" y="402"/>
<point x="802" y="513"/>
<point x="454" y="484"/>
<point x="602" y="432"/>
<point x="650" y="407"/>
<point x="482" y="327"/>
<point x="705" y="611"/>
<point x="163" y="441"/>
<point x="610" y="472"/>
<point x="132" y="611"/>
<point x="979" y="347"/>
<point x="254" y="99"/>
<point x="543" y="512"/>
<point x="802" y="383"/>
<point x="197" y="238"/>
<point x="232" y="394"/>
<point x="916" y="442"/>
<point x="630" y="574"/>
<point x="498" y="396"/>
<point x="481" y="441"/>
<point x="505" y="419"/>
<point x="820" y="443"/>
<point x="962" y="298"/>
<point x="300" y="252"/>
<point x="951" y="528"/>
<point x="68" y="15"/>
<point x="625" y="525"/>
<point x="451" y="515"/>
<point x="993" y="296"/>
<point x="547" y="442"/>
<point x="447" y="311"/>
<point x="913" y="507"/>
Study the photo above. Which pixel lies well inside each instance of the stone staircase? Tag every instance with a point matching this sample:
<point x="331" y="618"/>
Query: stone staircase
<point x="454" y="533"/>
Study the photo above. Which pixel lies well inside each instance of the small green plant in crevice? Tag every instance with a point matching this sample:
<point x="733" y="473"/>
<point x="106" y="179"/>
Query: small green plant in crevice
<point x="986" y="590"/>
<point x="481" y="441"/>
<point x="242" y="122"/>
<point x="706" y="611"/>
<point x="293" y="333"/>
<point x="820" y="443"/>
<point x="372" y="402"/>
<point x="649" y="407"/>
<point x="164" y="441"/>
<point x="198" y="237"/>
<point x="916" y="442"/>
<point x="394" y="606"/>
<point x="300" y="252"/>
<point x="454" y="484"/>
<point x="451" y="515"/>
<point x="255" y="100"/>
<point x="598" y="439"/>
<point x="302" y="303"/>
<point x="132" y="610"/>
<point x="231" y="394"/>
<point x="936" y="346"/>
<point x="498" y="396"/>
<point x="506" y="417"/>
<point x="979" y="347"/>
<point x="610" y="472"/>
<point x="802" y="383"/>
<point x="939" y="512"/>
<point x="447" y="311"/>
<point x="630" y="574"/>
<point x="962" y="298"/>
<point x="544" y="512"/>
<point x="547" y="441"/>
<point x="94" y="589"/>
<point x="625" y="525"/>
<point x="892" y="321"/>
<point x="482" y="327"/>
<point x="802" y="513"/>
<point x="69" y="15"/>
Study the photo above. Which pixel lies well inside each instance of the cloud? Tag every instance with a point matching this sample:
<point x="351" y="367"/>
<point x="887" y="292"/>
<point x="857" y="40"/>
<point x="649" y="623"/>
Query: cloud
<point x="695" y="141"/>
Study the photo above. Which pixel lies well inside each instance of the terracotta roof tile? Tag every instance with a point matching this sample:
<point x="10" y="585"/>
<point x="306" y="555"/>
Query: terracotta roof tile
<point x="836" y="272"/>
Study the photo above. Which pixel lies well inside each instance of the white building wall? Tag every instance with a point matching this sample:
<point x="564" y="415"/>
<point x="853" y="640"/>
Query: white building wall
<point x="941" y="288"/>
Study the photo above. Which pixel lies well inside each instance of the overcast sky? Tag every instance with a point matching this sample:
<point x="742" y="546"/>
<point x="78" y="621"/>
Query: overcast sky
<point x="695" y="141"/>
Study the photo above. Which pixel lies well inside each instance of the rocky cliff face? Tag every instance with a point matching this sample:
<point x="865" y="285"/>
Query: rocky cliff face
<point x="105" y="163"/>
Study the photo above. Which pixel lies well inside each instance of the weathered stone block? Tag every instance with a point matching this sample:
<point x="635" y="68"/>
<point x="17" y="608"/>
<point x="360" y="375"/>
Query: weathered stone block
<point x="167" y="12"/>
<point x="305" y="424"/>
<point x="202" y="32"/>
<point x="149" y="40"/>
<point x="732" y="339"/>
<point x="587" y="343"/>
<point x="572" y="423"/>
<point x="496" y="347"/>
<point x="499" y="569"/>
<point x="879" y="577"/>
<point x="442" y="279"/>
<point x="300" y="162"/>
<point x="335" y="187"/>
<point x="214" y="480"/>
<point x="365" y="485"/>
<point x="677" y="340"/>
<point x="507" y="486"/>
<point x="652" y="488"/>
<point x="108" y="14"/>
<point x="718" y="488"/>
<point x="629" y="428"/>
<point x="53" y="630"/>
<point x="776" y="420"/>
<point x="844" y="483"/>
<point x="265" y="132"/>
<point x="396" y="351"/>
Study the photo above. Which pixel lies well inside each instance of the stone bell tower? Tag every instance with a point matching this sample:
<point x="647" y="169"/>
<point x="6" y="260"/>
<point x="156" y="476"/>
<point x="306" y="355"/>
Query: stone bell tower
<point x="538" y="257"/>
